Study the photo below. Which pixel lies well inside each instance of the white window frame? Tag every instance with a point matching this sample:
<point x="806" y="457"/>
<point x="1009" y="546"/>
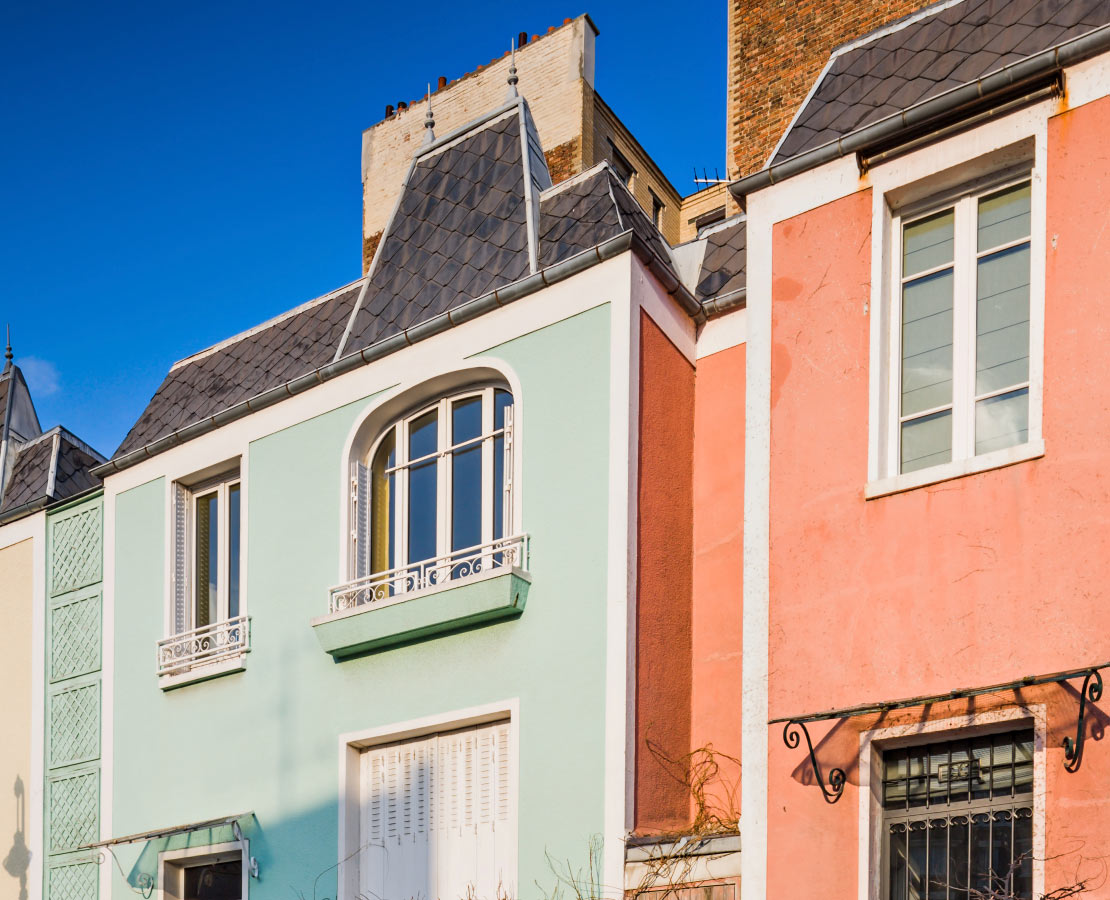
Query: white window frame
<point x="442" y="455"/>
<point x="173" y="863"/>
<point x="874" y="741"/>
<point x="221" y="486"/>
<point x="910" y="188"/>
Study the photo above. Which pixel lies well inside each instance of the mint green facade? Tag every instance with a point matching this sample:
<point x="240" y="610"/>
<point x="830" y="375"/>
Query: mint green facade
<point x="267" y="739"/>
<point x="73" y="660"/>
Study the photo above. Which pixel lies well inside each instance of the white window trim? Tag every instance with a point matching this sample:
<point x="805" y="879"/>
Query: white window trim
<point x="902" y="184"/>
<point x="172" y="863"/>
<point x="874" y="741"/>
<point x="353" y="743"/>
<point x="431" y="379"/>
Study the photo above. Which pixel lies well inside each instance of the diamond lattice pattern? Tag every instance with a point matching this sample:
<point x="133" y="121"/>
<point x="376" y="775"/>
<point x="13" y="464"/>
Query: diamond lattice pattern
<point x="77" y="881"/>
<point x="75" y="725"/>
<point x="73" y="811"/>
<point x="76" y="551"/>
<point x="75" y="638"/>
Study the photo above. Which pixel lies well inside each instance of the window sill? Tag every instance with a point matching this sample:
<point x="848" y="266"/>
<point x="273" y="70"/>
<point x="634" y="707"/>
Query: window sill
<point x="997" y="460"/>
<point x="455" y="606"/>
<point x="203" y="672"/>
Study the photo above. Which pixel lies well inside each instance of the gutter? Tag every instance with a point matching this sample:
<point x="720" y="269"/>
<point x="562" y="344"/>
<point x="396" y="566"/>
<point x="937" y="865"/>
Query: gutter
<point x="553" y="274"/>
<point x="928" y="112"/>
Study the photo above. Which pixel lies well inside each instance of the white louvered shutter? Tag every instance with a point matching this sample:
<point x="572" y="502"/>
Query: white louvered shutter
<point x="360" y="519"/>
<point x="395" y="860"/>
<point x="437" y="819"/>
<point x="180" y="559"/>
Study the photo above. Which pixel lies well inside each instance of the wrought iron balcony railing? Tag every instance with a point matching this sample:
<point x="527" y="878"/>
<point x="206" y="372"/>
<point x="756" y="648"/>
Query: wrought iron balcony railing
<point x="403" y="581"/>
<point x="204" y="645"/>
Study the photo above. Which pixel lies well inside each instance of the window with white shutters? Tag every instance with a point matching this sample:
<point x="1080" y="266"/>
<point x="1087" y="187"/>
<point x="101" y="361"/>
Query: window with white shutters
<point x="436" y="818"/>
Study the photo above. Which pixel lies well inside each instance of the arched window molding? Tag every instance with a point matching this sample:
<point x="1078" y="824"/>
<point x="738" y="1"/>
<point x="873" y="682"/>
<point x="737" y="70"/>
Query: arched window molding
<point x="433" y="494"/>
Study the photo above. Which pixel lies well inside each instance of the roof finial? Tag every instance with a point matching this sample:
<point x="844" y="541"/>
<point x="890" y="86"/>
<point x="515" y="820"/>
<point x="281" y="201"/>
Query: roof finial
<point x="8" y="351"/>
<point x="429" y="120"/>
<point x="513" y="79"/>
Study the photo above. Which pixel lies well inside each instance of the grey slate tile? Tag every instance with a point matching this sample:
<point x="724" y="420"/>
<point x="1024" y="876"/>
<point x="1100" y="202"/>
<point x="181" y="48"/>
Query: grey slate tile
<point x="950" y="47"/>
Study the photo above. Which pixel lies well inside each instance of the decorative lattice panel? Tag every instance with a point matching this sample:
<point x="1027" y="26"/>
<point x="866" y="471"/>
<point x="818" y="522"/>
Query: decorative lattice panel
<point x="75" y="725"/>
<point x="75" y="638"/>
<point x="76" y="552"/>
<point x="77" y="881"/>
<point x="74" y="811"/>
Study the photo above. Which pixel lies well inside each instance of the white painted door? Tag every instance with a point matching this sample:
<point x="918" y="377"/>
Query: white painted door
<point x="437" y="819"/>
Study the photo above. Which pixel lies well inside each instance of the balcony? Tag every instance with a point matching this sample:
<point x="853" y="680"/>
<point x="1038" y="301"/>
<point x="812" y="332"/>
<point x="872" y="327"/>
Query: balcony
<point x="469" y="587"/>
<point x="204" y="652"/>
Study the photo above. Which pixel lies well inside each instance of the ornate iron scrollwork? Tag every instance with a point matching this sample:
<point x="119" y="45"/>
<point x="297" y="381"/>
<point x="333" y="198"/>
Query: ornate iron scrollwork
<point x="1092" y="690"/>
<point x="835" y="787"/>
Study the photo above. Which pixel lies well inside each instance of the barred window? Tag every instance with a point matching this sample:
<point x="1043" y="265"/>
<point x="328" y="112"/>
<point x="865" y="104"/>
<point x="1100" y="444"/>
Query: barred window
<point x="958" y="818"/>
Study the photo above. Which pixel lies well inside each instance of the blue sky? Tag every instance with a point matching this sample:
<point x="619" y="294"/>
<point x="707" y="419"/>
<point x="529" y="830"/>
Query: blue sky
<point x="176" y="173"/>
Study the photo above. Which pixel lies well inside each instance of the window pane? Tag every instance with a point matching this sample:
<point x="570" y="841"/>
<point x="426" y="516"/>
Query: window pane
<point x="423" y="492"/>
<point x="1023" y="766"/>
<point x="1002" y="421"/>
<point x="383" y="505"/>
<point x="422" y="511"/>
<point x="927" y="243"/>
<point x="927" y="343"/>
<point x="958" y="835"/>
<point x="424" y="435"/>
<point x="207" y="545"/>
<point x="927" y="441"/>
<point x="466" y="419"/>
<point x="1002" y="320"/>
<point x="218" y="881"/>
<point x="1002" y="849"/>
<point x="1004" y="217"/>
<point x="916" y="860"/>
<point x="938" y="860"/>
<point x="233" y="552"/>
<point x="466" y="497"/>
<point x="1023" y="854"/>
<point x="897" y="857"/>
<point x="502" y="400"/>
<point x="981" y="852"/>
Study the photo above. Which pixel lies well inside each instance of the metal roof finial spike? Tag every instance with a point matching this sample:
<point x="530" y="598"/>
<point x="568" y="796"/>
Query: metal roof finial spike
<point x="8" y="350"/>
<point x="429" y="120"/>
<point x="513" y="79"/>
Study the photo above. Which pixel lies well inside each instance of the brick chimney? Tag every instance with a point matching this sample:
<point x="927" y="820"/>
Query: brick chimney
<point x="776" y="50"/>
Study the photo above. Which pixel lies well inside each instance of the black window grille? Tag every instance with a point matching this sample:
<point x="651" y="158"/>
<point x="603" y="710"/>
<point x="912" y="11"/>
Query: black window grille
<point x="958" y="819"/>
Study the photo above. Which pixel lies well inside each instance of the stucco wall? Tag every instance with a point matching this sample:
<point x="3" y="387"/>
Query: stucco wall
<point x="973" y="581"/>
<point x="664" y="588"/>
<point x="268" y="739"/>
<point x="16" y="603"/>
<point x="718" y="572"/>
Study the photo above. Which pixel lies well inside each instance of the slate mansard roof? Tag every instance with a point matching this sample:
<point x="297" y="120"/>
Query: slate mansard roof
<point x="927" y="54"/>
<point x="476" y="213"/>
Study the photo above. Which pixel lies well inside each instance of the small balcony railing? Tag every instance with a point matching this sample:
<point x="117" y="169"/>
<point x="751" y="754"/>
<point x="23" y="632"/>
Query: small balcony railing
<point x="204" y="645"/>
<point x="440" y="571"/>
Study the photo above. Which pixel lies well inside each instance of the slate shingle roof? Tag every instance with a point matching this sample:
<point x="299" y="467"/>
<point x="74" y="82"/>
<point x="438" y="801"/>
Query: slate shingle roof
<point x="461" y="230"/>
<point x="724" y="266"/>
<point x="58" y="451"/>
<point x="929" y="56"/>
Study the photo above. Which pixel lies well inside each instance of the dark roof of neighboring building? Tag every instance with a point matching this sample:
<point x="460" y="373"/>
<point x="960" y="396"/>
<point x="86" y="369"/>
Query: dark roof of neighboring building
<point x="476" y="213"/>
<point x="52" y="467"/>
<point x="927" y="54"/>
<point x="724" y="266"/>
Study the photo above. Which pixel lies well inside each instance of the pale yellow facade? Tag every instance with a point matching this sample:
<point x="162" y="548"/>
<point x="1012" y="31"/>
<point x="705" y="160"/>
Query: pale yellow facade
<point x="17" y="603"/>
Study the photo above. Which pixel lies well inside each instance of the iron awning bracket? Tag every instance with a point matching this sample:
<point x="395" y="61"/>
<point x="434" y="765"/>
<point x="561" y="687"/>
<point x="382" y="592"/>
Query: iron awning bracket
<point x="837" y="777"/>
<point x="1092" y="690"/>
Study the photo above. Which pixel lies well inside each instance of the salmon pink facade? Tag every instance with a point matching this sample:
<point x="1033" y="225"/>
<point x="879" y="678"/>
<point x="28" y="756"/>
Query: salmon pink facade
<point x="934" y="631"/>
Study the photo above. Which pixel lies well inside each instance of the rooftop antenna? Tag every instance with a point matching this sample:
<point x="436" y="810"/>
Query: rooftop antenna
<point x="8" y="350"/>
<point x="429" y="120"/>
<point x="513" y="79"/>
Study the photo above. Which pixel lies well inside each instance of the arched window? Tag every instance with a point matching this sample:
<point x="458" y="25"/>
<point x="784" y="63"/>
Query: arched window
<point x="433" y="496"/>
